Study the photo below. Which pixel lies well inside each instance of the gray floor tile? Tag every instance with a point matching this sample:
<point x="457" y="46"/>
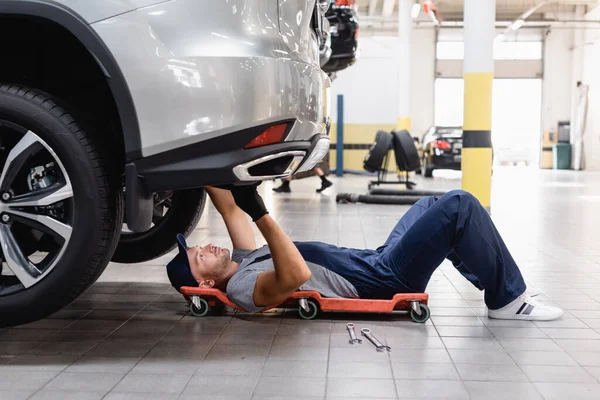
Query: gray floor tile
<point x="153" y="383"/>
<point x="566" y="333"/>
<point x="230" y="367"/>
<point x="472" y="343"/>
<point x="425" y="371"/>
<point x="530" y="344"/>
<point x="452" y="312"/>
<point x="488" y="372"/>
<point x="557" y="374"/>
<point x="14" y="348"/>
<point x="16" y="394"/>
<point x="364" y="353"/>
<point x="296" y="328"/>
<point x="46" y="394"/>
<point x="420" y="356"/>
<point x="22" y="335"/>
<point x="502" y="391"/>
<point x="456" y="321"/>
<point x="525" y="333"/>
<point x="141" y="396"/>
<point x="562" y="323"/>
<point x="121" y="348"/>
<point x="360" y="388"/>
<point x="431" y="389"/>
<point x="277" y="386"/>
<point x="560" y="391"/>
<point x="415" y="342"/>
<point x="303" y="340"/>
<point x="464" y="331"/>
<point x="15" y="380"/>
<point x="237" y="352"/>
<point x="586" y="358"/>
<point x="103" y="364"/>
<point x="299" y="353"/>
<point x="227" y="385"/>
<point x="85" y="381"/>
<point x="63" y="348"/>
<point x="491" y="357"/>
<point x="592" y="323"/>
<point x="42" y="363"/>
<point x="287" y="398"/>
<point x="571" y="345"/>
<point x="373" y="370"/>
<point x="79" y="335"/>
<point x="594" y="371"/>
<point x="248" y="338"/>
<point x="506" y="323"/>
<point x="309" y="369"/>
<point x="542" y="358"/>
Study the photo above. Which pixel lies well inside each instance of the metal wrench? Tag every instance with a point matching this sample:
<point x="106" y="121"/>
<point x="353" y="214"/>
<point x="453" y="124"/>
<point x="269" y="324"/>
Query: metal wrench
<point x="353" y="338"/>
<point x="366" y="332"/>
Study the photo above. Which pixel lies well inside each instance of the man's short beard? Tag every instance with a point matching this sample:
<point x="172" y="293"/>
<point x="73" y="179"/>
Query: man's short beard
<point x="221" y="268"/>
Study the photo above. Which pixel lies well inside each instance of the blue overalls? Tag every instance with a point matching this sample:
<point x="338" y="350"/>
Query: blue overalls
<point x="455" y="227"/>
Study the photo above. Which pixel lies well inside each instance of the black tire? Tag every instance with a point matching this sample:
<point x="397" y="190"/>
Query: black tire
<point x="182" y="216"/>
<point x="202" y="311"/>
<point x="95" y="207"/>
<point x="425" y="313"/>
<point x="373" y="162"/>
<point x="313" y="310"/>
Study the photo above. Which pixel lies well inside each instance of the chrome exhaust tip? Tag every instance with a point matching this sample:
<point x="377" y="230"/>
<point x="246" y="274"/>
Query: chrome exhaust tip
<point x="273" y="166"/>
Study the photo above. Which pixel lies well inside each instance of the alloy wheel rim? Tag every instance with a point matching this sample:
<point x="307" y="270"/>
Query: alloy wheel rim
<point x="41" y="215"/>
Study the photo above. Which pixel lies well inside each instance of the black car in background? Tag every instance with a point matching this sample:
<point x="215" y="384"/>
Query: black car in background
<point x="343" y="20"/>
<point x="441" y="149"/>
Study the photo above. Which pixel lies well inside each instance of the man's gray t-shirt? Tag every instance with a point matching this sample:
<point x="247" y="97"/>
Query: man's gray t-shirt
<point x="240" y="288"/>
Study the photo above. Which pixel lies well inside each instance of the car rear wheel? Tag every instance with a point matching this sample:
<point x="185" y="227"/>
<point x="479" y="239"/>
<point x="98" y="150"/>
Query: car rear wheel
<point x="174" y="212"/>
<point x="426" y="170"/>
<point x="60" y="210"/>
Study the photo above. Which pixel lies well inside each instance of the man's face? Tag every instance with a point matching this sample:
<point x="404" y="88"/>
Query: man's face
<point x="208" y="262"/>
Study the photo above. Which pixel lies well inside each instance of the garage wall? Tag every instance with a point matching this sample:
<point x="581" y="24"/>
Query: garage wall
<point x="370" y="89"/>
<point x="591" y="77"/>
<point x="558" y="70"/>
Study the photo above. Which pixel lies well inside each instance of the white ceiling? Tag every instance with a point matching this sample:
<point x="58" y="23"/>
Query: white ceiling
<point x="506" y="10"/>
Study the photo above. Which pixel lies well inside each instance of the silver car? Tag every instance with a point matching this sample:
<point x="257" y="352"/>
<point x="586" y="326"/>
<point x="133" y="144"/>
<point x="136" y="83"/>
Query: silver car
<point x="115" y="113"/>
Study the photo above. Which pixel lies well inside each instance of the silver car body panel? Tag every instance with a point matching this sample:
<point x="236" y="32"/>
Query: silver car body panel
<point x="200" y="69"/>
<point x="94" y="11"/>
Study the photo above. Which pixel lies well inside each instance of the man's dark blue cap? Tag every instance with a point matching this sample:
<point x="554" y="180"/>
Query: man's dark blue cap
<point x="178" y="269"/>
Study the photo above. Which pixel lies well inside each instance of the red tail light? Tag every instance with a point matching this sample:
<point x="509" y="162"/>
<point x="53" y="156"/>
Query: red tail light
<point x="345" y="2"/>
<point x="441" y="144"/>
<point x="273" y="134"/>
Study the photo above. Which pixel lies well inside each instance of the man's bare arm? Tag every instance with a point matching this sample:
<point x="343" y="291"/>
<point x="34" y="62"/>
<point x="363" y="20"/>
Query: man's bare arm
<point x="291" y="271"/>
<point x="239" y="228"/>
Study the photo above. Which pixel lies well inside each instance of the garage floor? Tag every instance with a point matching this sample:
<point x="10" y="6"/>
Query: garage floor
<point x="130" y="336"/>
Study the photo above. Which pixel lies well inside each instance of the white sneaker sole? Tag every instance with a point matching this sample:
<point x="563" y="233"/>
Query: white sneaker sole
<point x="521" y="317"/>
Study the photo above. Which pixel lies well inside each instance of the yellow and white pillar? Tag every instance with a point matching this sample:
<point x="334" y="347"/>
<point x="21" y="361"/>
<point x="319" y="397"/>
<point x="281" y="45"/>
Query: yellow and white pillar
<point x="478" y="72"/>
<point x="404" y="52"/>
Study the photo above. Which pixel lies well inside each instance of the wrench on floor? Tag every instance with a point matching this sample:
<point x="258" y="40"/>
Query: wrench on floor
<point x="353" y="338"/>
<point x="366" y="332"/>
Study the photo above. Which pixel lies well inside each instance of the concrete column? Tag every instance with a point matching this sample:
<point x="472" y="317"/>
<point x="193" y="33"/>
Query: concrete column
<point x="404" y="59"/>
<point x="478" y="73"/>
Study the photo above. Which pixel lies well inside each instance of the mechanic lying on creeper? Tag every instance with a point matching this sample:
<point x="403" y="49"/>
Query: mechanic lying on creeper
<point x="454" y="226"/>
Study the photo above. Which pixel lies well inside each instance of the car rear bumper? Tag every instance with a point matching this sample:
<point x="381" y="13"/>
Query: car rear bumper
<point x="224" y="160"/>
<point x="446" y="161"/>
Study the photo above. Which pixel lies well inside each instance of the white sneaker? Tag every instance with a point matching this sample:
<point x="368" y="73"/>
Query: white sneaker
<point x="526" y="308"/>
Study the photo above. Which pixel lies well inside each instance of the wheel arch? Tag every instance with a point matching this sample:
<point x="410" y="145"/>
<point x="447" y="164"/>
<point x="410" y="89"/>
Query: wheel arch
<point x="89" y="39"/>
